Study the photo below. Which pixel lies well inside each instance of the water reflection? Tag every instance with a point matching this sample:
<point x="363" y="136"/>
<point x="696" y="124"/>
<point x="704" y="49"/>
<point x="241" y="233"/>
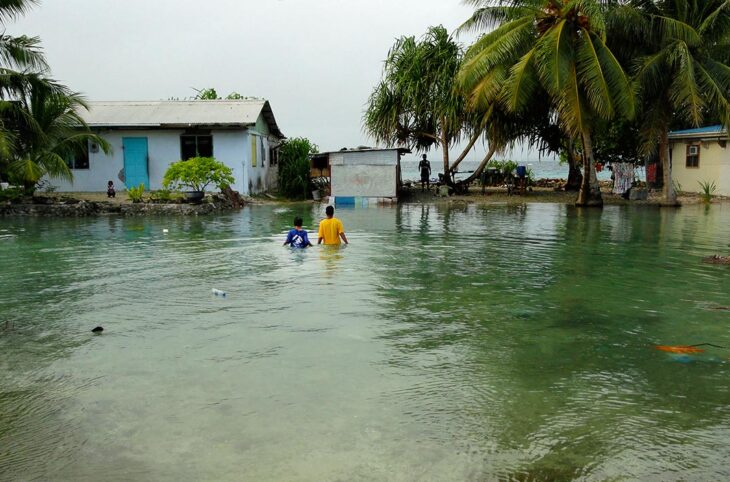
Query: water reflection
<point x="456" y="342"/>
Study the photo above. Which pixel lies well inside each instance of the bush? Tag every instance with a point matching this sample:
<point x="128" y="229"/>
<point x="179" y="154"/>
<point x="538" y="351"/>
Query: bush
<point x="136" y="193"/>
<point x="164" y="196"/>
<point x="197" y="173"/>
<point x="708" y="191"/>
<point x="294" y="167"/>
<point x="12" y="194"/>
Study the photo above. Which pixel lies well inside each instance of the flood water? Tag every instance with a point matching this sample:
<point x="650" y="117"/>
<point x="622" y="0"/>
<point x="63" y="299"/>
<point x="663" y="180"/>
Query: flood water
<point x="445" y="343"/>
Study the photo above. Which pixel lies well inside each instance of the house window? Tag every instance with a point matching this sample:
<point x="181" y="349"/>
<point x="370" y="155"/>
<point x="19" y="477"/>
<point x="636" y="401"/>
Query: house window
<point x="195" y="146"/>
<point x="80" y="160"/>
<point x="693" y="155"/>
<point x="273" y="156"/>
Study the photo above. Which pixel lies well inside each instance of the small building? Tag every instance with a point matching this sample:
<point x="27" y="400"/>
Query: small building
<point x="146" y="137"/>
<point x="361" y="174"/>
<point x="700" y="155"/>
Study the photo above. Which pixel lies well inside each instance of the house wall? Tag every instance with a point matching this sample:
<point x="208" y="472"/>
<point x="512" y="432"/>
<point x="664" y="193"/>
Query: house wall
<point x="364" y="174"/>
<point x="714" y="166"/>
<point x="232" y="147"/>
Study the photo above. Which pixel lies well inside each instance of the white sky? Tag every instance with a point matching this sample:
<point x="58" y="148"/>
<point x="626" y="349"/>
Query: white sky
<point x="316" y="61"/>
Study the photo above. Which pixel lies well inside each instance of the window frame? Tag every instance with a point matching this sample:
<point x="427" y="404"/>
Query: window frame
<point x="197" y="145"/>
<point x="80" y="161"/>
<point x="692" y="161"/>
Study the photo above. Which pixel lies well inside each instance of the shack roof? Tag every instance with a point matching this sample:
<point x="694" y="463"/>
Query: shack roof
<point x="709" y="132"/>
<point x="401" y="150"/>
<point x="179" y="113"/>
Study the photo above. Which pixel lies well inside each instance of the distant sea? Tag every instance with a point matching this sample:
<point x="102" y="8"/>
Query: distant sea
<point x="545" y="168"/>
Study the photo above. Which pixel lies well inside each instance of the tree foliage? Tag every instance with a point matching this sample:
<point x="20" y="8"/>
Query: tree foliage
<point x="40" y="125"/>
<point x="197" y="173"/>
<point x="294" y="167"/>
<point x="548" y="48"/>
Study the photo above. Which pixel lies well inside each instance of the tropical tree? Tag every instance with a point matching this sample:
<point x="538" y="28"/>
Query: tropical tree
<point x="294" y="167"/>
<point x="416" y="103"/>
<point x="553" y="46"/>
<point x="683" y="51"/>
<point x="47" y="132"/>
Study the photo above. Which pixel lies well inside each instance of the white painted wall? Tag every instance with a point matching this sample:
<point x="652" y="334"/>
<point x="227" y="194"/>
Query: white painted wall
<point x="364" y="181"/>
<point x="714" y="166"/>
<point x="364" y="173"/>
<point x="232" y="147"/>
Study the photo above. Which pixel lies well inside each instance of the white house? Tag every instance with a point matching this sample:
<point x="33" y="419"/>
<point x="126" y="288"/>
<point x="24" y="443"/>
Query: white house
<point x="363" y="173"/>
<point x="701" y="155"/>
<point x="146" y="137"/>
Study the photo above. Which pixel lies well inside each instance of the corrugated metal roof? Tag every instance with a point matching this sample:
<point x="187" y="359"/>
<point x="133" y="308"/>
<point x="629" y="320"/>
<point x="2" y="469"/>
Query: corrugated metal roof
<point x="176" y="113"/>
<point x="709" y="130"/>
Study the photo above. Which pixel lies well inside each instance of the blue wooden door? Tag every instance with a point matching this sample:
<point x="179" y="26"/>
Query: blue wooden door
<point x="135" y="162"/>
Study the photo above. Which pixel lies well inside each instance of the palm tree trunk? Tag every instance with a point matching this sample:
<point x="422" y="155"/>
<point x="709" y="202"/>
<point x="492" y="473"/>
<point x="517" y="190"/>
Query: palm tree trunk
<point x="574" y="176"/>
<point x="463" y="154"/>
<point x="669" y="196"/>
<point x="482" y="165"/>
<point x="445" y="152"/>
<point x="590" y="191"/>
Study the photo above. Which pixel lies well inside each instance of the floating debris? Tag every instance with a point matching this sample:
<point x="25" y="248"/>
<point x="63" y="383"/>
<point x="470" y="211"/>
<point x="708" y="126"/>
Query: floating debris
<point x="717" y="259"/>
<point x="680" y="349"/>
<point x="220" y="293"/>
<point x="97" y="330"/>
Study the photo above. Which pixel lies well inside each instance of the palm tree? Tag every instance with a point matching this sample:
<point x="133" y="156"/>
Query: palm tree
<point x="47" y="131"/>
<point x="416" y="104"/>
<point x="552" y="46"/>
<point x="682" y="69"/>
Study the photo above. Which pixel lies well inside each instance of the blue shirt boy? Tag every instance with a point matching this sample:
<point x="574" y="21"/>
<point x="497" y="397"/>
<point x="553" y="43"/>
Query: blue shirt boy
<point x="297" y="238"/>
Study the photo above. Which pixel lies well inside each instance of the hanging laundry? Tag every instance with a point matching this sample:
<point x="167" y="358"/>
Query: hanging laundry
<point x="623" y="177"/>
<point x="651" y="173"/>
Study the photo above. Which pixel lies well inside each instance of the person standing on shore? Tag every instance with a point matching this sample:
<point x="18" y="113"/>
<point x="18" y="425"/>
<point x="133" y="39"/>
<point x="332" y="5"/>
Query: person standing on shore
<point x="425" y="167"/>
<point x="331" y="229"/>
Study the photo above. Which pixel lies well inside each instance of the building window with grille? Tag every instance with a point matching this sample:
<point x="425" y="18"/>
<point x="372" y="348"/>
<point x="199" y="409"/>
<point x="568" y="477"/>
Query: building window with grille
<point x="195" y="146"/>
<point x="693" y="155"/>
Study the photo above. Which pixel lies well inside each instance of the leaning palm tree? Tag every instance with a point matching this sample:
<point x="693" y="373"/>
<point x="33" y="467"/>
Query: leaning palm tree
<point x="682" y="70"/>
<point x="553" y="46"/>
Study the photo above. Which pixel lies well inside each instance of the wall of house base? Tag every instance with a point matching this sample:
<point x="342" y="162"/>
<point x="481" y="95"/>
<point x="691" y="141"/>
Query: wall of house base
<point x="364" y="181"/>
<point x="232" y="147"/>
<point x="714" y="166"/>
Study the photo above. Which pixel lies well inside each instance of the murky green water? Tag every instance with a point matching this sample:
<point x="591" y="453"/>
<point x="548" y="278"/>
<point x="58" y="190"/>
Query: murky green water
<point x="462" y="343"/>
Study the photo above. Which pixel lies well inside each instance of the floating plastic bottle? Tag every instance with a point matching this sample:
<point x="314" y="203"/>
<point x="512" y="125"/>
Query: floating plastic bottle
<point x="220" y="293"/>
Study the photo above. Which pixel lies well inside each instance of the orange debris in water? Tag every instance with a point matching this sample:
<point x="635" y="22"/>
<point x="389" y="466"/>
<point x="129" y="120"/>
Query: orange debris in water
<point x="682" y="349"/>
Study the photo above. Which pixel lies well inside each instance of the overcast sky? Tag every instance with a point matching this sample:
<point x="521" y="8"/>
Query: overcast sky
<point x="316" y="61"/>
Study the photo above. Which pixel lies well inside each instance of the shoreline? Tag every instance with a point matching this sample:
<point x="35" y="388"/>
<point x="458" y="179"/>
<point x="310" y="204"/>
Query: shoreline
<point x="64" y="205"/>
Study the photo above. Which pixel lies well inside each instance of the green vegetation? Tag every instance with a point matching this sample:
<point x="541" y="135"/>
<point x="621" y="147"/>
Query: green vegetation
<point x="40" y="128"/>
<point x="591" y="80"/>
<point x="294" y="167"/>
<point x="708" y="191"/>
<point x="198" y="173"/>
<point x="164" y="196"/>
<point x="136" y="194"/>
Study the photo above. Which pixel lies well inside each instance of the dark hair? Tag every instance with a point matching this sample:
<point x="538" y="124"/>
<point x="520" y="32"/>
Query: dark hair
<point x="298" y="222"/>
<point x="110" y="183"/>
<point x="424" y="156"/>
<point x="330" y="211"/>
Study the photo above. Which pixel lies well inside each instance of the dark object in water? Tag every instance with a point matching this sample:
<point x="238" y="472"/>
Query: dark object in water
<point x="717" y="259"/>
<point x="98" y="329"/>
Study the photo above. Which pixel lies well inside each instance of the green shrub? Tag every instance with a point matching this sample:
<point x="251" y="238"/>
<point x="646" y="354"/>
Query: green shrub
<point x="294" y="167"/>
<point x="161" y="196"/>
<point x="12" y="194"/>
<point x="136" y="193"/>
<point x="197" y="173"/>
<point x="708" y="191"/>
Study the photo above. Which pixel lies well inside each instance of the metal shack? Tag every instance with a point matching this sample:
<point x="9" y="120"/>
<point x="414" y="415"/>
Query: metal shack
<point x="363" y="174"/>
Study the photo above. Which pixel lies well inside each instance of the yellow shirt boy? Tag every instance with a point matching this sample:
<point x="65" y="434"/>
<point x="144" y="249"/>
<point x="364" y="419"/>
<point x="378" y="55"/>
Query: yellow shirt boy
<point x="331" y="229"/>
